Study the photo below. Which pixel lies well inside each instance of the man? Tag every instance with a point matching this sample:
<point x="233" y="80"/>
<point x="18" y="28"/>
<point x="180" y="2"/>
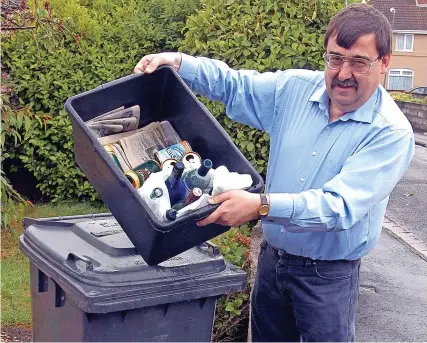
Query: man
<point x="339" y="145"/>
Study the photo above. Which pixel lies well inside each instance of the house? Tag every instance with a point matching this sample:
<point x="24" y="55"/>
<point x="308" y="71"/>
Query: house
<point x="408" y="66"/>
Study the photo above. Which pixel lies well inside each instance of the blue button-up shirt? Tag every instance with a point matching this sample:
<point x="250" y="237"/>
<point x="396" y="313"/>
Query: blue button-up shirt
<point x="329" y="182"/>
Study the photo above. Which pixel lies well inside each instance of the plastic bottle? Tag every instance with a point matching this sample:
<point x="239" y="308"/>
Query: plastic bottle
<point x="199" y="178"/>
<point x="175" y="184"/>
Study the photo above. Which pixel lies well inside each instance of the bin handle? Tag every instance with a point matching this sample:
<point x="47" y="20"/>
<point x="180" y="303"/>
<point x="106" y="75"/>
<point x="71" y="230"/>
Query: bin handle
<point x="72" y="258"/>
<point x="208" y="246"/>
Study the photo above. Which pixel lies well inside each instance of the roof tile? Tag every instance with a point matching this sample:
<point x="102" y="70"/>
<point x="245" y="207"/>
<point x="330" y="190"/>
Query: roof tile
<point x="408" y="16"/>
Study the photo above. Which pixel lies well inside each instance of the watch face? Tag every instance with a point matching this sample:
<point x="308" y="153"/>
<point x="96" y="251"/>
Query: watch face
<point x="263" y="210"/>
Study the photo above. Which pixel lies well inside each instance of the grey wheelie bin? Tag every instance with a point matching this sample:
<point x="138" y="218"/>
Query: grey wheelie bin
<point x="88" y="283"/>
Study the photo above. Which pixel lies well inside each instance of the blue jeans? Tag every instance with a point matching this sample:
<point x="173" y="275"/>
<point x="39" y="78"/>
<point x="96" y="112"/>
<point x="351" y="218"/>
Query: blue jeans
<point x="299" y="299"/>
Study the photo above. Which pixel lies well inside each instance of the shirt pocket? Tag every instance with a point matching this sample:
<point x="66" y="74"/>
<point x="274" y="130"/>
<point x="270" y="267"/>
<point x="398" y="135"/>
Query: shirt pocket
<point x="332" y="169"/>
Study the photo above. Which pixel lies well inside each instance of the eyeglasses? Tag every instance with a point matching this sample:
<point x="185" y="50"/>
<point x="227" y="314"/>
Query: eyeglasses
<point x="357" y="65"/>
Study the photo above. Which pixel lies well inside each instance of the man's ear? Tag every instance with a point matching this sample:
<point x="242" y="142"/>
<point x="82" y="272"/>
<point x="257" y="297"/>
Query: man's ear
<point x="385" y="61"/>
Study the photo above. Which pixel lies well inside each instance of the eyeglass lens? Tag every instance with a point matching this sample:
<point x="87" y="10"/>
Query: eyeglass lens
<point x="357" y="65"/>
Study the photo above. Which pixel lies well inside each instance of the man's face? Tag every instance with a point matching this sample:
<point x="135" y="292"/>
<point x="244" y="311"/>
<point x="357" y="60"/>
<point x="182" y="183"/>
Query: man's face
<point x="349" y="90"/>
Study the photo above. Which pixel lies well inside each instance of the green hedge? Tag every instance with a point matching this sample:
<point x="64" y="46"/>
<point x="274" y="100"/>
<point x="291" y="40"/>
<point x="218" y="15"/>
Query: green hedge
<point x="78" y="46"/>
<point x="407" y="97"/>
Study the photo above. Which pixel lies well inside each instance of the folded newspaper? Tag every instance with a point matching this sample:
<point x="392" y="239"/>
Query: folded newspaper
<point x="119" y="120"/>
<point x="118" y="132"/>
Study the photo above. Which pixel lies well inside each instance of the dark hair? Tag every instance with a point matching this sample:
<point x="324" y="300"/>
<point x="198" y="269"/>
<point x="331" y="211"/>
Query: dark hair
<point x="357" y="20"/>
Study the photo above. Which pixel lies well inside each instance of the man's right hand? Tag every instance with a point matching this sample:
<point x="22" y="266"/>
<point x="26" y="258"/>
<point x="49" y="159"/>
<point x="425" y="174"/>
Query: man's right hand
<point x="149" y="63"/>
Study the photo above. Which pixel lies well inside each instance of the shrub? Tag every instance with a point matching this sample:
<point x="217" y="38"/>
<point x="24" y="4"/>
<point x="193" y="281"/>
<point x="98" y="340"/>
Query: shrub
<point x="77" y="46"/>
<point x="406" y="97"/>
<point x="13" y="120"/>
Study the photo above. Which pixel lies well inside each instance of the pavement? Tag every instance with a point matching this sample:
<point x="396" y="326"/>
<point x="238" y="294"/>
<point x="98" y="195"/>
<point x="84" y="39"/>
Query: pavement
<point x="392" y="298"/>
<point x="393" y="277"/>
<point x="420" y="138"/>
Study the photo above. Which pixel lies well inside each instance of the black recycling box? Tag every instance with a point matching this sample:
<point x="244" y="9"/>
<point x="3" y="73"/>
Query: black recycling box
<point x="162" y="95"/>
<point x="89" y="284"/>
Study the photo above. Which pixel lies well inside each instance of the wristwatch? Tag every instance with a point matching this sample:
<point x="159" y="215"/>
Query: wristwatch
<point x="265" y="207"/>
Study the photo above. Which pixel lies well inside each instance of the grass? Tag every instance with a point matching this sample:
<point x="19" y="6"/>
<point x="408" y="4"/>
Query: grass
<point x="15" y="276"/>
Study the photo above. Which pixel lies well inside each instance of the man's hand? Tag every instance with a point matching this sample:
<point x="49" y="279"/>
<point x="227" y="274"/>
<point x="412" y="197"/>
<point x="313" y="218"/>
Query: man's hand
<point x="149" y="63"/>
<point x="237" y="207"/>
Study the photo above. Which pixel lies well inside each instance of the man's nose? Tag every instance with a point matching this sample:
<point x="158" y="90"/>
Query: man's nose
<point x="345" y="72"/>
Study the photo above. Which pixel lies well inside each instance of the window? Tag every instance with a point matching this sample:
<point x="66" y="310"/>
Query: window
<point x="400" y="79"/>
<point x="404" y="42"/>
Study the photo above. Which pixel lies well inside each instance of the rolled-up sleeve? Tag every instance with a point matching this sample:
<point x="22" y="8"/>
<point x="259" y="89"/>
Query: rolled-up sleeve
<point x="249" y="96"/>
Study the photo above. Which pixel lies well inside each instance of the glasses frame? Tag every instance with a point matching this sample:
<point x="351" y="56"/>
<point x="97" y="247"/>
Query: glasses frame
<point x="349" y="59"/>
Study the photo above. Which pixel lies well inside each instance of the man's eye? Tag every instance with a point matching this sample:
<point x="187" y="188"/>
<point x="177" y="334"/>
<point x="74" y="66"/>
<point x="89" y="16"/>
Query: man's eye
<point x="359" y="63"/>
<point x="335" y="59"/>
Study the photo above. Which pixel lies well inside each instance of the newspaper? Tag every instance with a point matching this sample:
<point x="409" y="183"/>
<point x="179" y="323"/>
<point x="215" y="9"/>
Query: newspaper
<point x="121" y="157"/>
<point x="116" y="137"/>
<point x="132" y="146"/>
<point x="119" y="120"/>
<point x="142" y="146"/>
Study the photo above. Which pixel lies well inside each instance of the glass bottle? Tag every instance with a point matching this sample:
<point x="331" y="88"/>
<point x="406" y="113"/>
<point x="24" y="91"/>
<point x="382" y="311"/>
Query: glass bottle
<point x="175" y="184"/>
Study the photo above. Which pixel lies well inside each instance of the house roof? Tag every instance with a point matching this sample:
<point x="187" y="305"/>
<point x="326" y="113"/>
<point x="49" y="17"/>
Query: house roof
<point x="408" y="16"/>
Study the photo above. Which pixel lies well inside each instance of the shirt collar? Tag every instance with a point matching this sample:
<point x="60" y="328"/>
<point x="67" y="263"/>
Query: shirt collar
<point x="363" y="114"/>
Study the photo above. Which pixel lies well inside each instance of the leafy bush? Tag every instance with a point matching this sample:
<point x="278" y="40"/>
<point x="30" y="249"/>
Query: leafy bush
<point x="261" y="35"/>
<point x="13" y="120"/>
<point x="406" y="97"/>
<point x="77" y="46"/>
<point x="232" y="311"/>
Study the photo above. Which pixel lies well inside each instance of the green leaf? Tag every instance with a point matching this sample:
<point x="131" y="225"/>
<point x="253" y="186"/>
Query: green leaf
<point x="238" y="302"/>
<point x="250" y="146"/>
<point x="225" y="250"/>
<point x="229" y="307"/>
<point x="314" y="15"/>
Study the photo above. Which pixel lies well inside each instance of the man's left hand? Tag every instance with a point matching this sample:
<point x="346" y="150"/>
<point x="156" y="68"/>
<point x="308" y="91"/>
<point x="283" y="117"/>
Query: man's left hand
<point x="237" y="207"/>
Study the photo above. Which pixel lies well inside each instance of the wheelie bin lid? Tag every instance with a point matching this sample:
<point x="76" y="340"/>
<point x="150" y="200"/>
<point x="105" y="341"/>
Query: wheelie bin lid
<point x="95" y="262"/>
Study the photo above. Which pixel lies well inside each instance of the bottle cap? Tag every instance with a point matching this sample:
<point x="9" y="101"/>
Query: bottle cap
<point x="205" y="167"/>
<point x="156" y="193"/>
<point x="171" y="214"/>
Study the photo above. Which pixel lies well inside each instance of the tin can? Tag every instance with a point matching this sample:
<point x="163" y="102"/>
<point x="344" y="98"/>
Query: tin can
<point x="111" y="152"/>
<point x="138" y="175"/>
<point x="133" y="178"/>
<point x="192" y="160"/>
<point x="195" y="194"/>
<point x="175" y="152"/>
<point x="169" y="163"/>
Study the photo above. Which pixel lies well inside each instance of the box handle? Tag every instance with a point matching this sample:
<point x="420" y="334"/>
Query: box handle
<point x="124" y="78"/>
<point x="207" y="211"/>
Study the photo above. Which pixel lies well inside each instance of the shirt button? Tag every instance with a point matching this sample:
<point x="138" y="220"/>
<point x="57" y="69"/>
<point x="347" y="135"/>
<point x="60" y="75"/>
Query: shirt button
<point x="302" y="179"/>
<point x="282" y="230"/>
<point x="314" y="153"/>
